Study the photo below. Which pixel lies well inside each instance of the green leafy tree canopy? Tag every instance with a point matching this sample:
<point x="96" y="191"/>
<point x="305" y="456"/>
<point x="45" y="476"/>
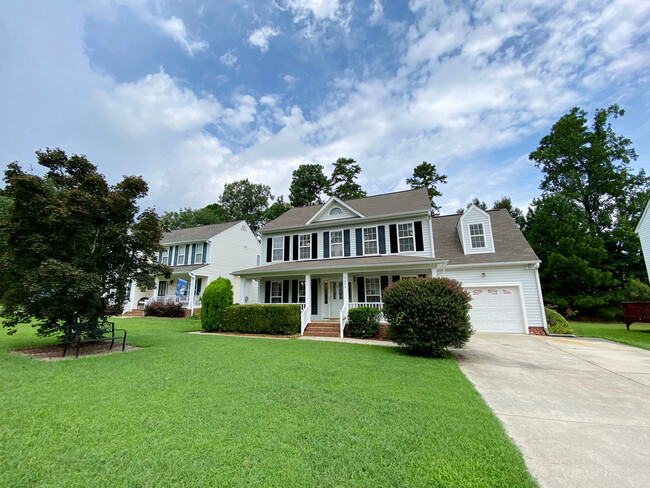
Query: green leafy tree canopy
<point x="342" y="184"/>
<point x="243" y="200"/>
<point x="515" y="213"/>
<point x="188" y="217"/>
<point x="308" y="183"/>
<point x="426" y="176"/>
<point x="74" y="243"/>
<point x="278" y="208"/>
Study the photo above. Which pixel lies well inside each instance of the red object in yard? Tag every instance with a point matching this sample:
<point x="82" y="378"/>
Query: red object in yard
<point x="635" y="312"/>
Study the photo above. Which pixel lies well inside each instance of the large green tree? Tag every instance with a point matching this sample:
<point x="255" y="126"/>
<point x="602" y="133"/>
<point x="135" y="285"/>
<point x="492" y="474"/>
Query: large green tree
<point x="243" y="200"/>
<point x="74" y="243"/>
<point x="308" y="183"/>
<point x="279" y="207"/>
<point x="589" y="166"/>
<point x="475" y="201"/>
<point x="516" y="213"/>
<point x="189" y="217"/>
<point x="342" y="184"/>
<point x="426" y="175"/>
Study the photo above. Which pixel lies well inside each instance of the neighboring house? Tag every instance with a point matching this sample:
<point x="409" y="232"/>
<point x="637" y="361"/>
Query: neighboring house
<point x="339" y="255"/>
<point x="643" y="230"/>
<point x="199" y="255"/>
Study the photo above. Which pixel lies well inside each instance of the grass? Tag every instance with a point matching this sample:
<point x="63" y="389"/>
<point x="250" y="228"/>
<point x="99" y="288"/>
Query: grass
<point x="191" y="410"/>
<point x="638" y="335"/>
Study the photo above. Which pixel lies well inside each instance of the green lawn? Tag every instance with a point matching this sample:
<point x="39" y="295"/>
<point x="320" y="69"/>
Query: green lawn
<point x="190" y="410"/>
<point x="638" y="335"/>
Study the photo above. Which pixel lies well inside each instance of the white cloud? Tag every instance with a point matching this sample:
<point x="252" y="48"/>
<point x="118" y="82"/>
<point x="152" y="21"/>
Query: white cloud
<point x="320" y="9"/>
<point x="175" y="28"/>
<point x="260" y="37"/>
<point x="228" y="58"/>
<point x="377" y="12"/>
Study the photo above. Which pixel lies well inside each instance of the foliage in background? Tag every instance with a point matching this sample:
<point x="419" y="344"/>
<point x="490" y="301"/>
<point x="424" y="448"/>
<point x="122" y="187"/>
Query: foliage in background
<point x="308" y="183"/>
<point x="636" y="291"/>
<point x="586" y="171"/>
<point x="164" y="308"/>
<point x="278" y="208"/>
<point x="342" y="184"/>
<point x="475" y="201"/>
<point x="261" y="319"/>
<point x="188" y="217"/>
<point x="73" y="243"/>
<point x="363" y="322"/>
<point x="243" y="200"/>
<point x="515" y="213"/>
<point x="216" y="298"/>
<point x="427" y="315"/>
<point x="556" y="323"/>
<point x="426" y="175"/>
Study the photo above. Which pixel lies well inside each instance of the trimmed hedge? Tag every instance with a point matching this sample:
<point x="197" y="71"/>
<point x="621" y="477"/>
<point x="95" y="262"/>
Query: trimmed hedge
<point x="216" y="298"/>
<point x="166" y="308"/>
<point x="556" y="323"/>
<point x="363" y="322"/>
<point x="428" y="315"/>
<point x="261" y="319"/>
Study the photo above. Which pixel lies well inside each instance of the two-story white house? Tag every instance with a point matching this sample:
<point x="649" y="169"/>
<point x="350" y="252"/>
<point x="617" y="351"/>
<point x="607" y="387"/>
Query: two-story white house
<point x="643" y="231"/>
<point x="339" y="255"/>
<point x="198" y="256"/>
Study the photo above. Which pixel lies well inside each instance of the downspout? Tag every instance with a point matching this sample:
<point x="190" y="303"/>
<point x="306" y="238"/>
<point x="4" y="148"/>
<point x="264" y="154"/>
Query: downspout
<point x="535" y="268"/>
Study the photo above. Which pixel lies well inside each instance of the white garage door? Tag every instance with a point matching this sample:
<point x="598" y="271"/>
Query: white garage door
<point x="496" y="309"/>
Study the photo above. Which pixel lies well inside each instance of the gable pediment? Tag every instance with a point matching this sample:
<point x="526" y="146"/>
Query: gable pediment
<point x="334" y="209"/>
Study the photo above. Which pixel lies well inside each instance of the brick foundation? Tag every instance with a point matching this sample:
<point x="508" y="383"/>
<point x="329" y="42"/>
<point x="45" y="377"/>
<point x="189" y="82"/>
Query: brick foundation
<point x="539" y="331"/>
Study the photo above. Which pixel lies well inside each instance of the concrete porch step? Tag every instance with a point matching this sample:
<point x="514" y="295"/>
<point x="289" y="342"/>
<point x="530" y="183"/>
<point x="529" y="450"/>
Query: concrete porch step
<point x="134" y="313"/>
<point x="323" y="329"/>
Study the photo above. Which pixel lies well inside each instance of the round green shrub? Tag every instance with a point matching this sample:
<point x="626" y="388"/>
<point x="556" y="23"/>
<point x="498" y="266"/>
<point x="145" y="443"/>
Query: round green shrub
<point x="556" y="323"/>
<point x="427" y="315"/>
<point x="363" y="322"/>
<point x="216" y="297"/>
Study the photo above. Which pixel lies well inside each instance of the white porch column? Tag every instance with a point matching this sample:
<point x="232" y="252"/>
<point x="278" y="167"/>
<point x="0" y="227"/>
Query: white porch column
<point x="242" y="290"/>
<point x="434" y="272"/>
<point x="155" y="287"/>
<point x="308" y="292"/>
<point x="192" y="288"/>
<point x="346" y="292"/>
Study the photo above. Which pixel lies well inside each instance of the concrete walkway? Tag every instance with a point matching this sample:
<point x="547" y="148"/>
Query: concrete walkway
<point x="579" y="409"/>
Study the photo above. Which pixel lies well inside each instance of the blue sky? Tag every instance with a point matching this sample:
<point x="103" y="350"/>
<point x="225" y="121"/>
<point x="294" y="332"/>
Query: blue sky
<point x="194" y="94"/>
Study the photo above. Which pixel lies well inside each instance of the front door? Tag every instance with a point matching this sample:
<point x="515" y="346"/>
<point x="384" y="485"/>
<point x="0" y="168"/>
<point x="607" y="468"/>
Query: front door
<point x="335" y="298"/>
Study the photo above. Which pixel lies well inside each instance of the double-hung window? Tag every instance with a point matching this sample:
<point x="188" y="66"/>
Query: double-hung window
<point x="181" y="255"/>
<point x="198" y="254"/>
<point x="305" y="246"/>
<point x="370" y="240"/>
<point x="477" y="235"/>
<point x="301" y="292"/>
<point x="276" y="292"/>
<point x="336" y="244"/>
<point x="278" y="248"/>
<point x="164" y="258"/>
<point x="373" y="290"/>
<point x="162" y="288"/>
<point x="406" y="237"/>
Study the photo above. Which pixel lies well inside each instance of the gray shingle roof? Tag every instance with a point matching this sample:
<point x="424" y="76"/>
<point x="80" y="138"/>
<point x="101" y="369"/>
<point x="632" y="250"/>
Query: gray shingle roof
<point x="374" y="206"/>
<point x="510" y="245"/>
<point x="199" y="233"/>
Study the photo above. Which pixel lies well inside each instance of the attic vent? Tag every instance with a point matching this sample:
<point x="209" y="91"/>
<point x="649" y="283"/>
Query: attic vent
<point x="336" y="211"/>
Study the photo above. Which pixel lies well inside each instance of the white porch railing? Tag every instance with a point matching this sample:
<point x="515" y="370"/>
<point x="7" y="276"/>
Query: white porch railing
<point x="184" y="300"/>
<point x="305" y="317"/>
<point x="377" y="305"/>
<point x="343" y="317"/>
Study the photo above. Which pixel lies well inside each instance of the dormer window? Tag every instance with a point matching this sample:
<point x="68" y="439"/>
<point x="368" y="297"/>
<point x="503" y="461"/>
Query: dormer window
<point x="477" y="235"/>
<point x="336" y="211"/>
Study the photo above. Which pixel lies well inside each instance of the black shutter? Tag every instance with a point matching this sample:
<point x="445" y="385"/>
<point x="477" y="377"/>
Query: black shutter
<point x="381" y="230"/>
<point x="314" y="296"/>
<point x="287" y="243"/>
<point x="198" y="286"/>
<point x="187" y="254"/>
<point x="393" y="238"/>
<point x="294" y="291"/>
<point x="267" y="291"/>
<point x="361" y="289"/>
<point x="326" y="244"/>
<point x="269" y="250"/>
<point x="359" y="236"/>
<point x="395" y="278"/>
<point x="285" y="291"/>
<point x="419" y="242"/>
<point x="314" y="246"/>
<point x="295" y="247"/>
<point x="346" y="242"/>
<point x="384" y="282"/>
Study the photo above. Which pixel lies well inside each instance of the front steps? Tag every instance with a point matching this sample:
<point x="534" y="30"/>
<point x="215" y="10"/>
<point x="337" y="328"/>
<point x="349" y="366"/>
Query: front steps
<point x="134" y="313"/>
<point x="323" y="329"/>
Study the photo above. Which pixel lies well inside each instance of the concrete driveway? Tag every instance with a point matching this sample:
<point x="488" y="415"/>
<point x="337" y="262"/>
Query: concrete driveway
<point x="579" y="409"/>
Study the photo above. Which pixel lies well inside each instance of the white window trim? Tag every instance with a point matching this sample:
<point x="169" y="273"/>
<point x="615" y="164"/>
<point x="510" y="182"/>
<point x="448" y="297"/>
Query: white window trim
<point x="378" y="287"/>
<point x="273" y="249"/>
<point x="272" y="296"/>
<point x="375" y="240"/>
<point x="301" y="247"/>
<point x="339" y="243"/>
<point x="181" y="254"/>
<point x="412" y="237"/>
<point x="198" y="254"/>
<point x="482" y="234"/>
<point x="334" y="211"/>
<point x="164" y="258"/>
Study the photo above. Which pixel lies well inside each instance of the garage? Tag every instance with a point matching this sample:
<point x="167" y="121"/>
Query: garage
<point x="496" y="309"/>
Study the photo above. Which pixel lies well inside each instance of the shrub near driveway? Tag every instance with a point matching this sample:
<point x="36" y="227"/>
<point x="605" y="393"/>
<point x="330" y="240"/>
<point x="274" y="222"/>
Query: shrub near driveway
<point x="261" y="319"/>
<point x="363" y="322"/>
<point x="216" y="298"/>
<point x="427" y="315"/>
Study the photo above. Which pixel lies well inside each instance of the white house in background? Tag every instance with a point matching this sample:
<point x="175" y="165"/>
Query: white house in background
<point x="643" y="230"/>
<point x="198" y="256"/>
<point x="339" y="255"/>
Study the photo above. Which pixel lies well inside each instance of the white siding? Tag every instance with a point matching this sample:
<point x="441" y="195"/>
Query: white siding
<point x="475" y="216"/>
<point x="345" y="213"/>
<point x="644" y="235"/>
<point x="495" y="275"/>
